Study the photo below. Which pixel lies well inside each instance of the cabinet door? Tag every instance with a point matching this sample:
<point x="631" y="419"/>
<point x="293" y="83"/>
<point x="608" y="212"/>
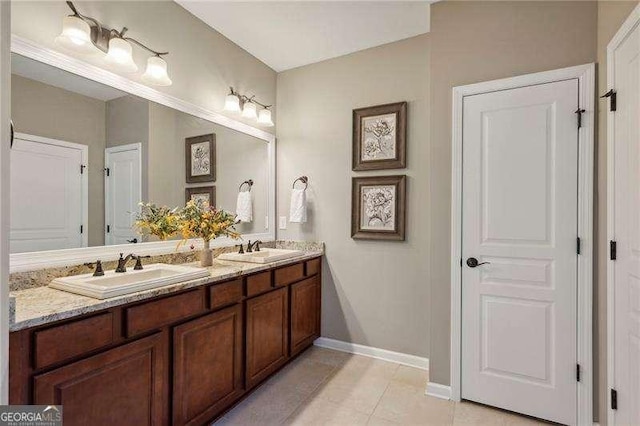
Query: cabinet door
<point x="126" y="385"/>
<point x="207" y="366"/>
<point x="305" y="313"/>
<point x="267" y="334"/>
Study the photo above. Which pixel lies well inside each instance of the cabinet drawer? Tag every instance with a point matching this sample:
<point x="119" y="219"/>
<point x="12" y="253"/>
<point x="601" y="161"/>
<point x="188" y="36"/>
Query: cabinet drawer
<point x="152" y="315"/>
<point x="313" y="267"/>
<point x="65" y="341"/>
<point x="225" y="293"/>
<point x="258" y="283"/>
<point x="289" y="274"/>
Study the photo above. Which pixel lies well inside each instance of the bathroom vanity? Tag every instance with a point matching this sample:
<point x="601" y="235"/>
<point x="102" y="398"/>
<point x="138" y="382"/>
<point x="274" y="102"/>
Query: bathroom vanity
<point x="181" y="358"/>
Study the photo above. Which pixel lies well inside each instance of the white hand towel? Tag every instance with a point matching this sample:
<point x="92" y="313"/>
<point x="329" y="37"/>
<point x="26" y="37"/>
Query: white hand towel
<point x="244" y="207"/>
<point x="298" y="210"/>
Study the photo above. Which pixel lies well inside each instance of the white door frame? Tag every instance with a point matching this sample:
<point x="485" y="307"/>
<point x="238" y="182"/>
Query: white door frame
<point x="5" y="116"/>
<point x="107" y="197"/>
<point x="585" y="75"/>
<point x="84" y="152"/>
<point x="632" y="21"/>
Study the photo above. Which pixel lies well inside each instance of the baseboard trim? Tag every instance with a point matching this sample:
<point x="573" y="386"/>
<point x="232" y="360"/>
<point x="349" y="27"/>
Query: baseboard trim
<point x="383" y="354"/>
<point x="439" y="391"/>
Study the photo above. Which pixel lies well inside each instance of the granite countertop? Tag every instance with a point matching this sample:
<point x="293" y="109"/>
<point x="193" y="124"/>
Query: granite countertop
<point x="42" y="305"/>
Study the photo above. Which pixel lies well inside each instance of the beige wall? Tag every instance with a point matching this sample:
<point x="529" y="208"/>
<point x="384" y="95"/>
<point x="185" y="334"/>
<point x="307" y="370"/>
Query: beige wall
<point x="397" y="295"/>
<point x="42" y="110"/>
<point x="375" y="293"/>
<point x="202" y="63"/>
<point x="238" y="157"/>
<point x="611" y="15"/>
<point x="128" y="123"/>
<point x="474" y="42"/>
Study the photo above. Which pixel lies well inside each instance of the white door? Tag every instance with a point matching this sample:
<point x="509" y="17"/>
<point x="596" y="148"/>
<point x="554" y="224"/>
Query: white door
<point x="519" y="221"/>
<point x="48" y="197"/>
<point x="625" y="286"/>
<point x="123" y="192"/>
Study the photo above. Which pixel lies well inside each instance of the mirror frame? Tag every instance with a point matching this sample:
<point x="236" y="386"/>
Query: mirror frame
<point x="21" y="262"/>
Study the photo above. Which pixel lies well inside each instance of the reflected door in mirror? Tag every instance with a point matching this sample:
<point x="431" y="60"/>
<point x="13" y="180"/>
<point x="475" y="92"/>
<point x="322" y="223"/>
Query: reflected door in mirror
<point x="48" y="196"/>
<point x="123" y="190"/>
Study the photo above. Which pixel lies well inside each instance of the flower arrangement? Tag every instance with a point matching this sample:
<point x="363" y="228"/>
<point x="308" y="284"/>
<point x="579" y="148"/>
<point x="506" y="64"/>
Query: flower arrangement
<point x="161" y="222"/>
<point x="195" y="220"/>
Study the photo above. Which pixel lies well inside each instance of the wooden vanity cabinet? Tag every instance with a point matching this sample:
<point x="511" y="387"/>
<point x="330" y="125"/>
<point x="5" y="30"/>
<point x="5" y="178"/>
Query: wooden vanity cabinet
<point x="126" y="385"/>
<point x="207" y="366"/>
<point x="267" y="334"/>
<point x="305" y="313"/>
<point x="179" y="359"/>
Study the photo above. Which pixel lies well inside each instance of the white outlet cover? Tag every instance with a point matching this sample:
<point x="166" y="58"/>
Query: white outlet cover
<point x="283" y="222"/>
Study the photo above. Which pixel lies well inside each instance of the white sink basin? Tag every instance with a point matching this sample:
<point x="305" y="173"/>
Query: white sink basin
<point x="265" y="255"/>
<point x="114" y="284"/>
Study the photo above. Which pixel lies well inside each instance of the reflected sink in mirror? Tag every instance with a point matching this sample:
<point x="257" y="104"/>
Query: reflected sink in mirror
<point x="265" y="255"/>
<point x="114" y="284"/>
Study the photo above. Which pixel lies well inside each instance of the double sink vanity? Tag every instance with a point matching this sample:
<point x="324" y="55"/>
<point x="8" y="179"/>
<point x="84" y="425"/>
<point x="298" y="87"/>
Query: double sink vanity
<point x="182" y="353"/>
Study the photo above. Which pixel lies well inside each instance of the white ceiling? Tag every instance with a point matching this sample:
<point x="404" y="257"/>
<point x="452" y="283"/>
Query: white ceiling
<point x="56" y="77"/>
<point x="289" y="34"/>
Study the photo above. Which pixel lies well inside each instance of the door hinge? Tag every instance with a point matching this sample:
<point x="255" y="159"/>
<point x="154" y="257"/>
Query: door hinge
<point x="107" y="170"/>
<point x="578" y="372"/>
<point x="578" y="245"/>
<point x="613" y="250"/>
<point x="82" y="167"/>
<point x="108" y="228"/>
<point x="614" y="399"/>
<point x="81" y="229"/>
<point x="580" y="111"/>
<point x="613" y="101"/>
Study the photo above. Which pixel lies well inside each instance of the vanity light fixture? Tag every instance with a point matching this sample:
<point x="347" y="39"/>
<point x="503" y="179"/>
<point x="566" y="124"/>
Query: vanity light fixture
<point x="249" y="110"/>
<point x="236" y="102"/>
<point x="85" y="35"/>
<point x="264" y="117"/>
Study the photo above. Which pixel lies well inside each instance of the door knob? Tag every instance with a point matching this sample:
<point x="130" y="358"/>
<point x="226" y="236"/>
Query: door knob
<point x="472" y="262"/>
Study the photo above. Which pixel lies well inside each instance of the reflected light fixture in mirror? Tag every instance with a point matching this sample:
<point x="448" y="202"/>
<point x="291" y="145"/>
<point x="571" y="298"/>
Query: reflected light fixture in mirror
<point x="120" y="56"/>
<point x="236" y="102"/>
<point x="156" y="72"/>
<point x="85" y="35"/>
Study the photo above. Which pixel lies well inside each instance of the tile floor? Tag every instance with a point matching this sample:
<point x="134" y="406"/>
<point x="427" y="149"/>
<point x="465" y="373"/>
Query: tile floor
<point x="325" y="387"/>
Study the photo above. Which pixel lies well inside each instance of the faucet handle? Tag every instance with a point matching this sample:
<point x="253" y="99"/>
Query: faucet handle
<point x="138" y="266"/>
<point x="249" y="249"/>
<point x="98" y="272"/>
<point x="241" y="251"/>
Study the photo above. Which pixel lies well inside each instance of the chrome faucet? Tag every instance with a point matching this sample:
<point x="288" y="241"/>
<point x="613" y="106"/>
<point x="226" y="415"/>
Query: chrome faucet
<point x="122" y="262"/>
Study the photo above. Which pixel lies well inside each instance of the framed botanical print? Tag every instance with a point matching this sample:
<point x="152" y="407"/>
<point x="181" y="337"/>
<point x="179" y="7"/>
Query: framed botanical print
<point x="380" y="137"/>
<point x="378" y="208"/>
<point x="200" y="155"/>
<point x="204" y="194"/>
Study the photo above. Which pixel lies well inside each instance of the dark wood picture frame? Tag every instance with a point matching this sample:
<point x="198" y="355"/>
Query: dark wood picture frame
<point x="209" y="190"/>
<point x="398" y="233"/>
<point x="400" y="159"/>
<point x="188" y="142"/>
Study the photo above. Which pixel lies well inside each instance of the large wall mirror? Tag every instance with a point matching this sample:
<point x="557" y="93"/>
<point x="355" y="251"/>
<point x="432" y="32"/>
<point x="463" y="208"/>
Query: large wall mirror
<point x="86" y="154"/>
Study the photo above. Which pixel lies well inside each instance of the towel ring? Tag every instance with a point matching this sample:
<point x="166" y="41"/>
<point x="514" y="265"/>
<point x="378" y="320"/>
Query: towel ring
<point x="246" y="182"/>
<point x="302" y="179"/>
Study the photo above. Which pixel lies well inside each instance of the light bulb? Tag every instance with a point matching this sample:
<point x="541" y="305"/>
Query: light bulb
<point x="76" y="36"/>
<point x="249" y="110"/>
<point x="264" y="117"/>
<point x="232" y="103"/>
<point x="156" y="72"/>
<point x="120" y="56"/>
